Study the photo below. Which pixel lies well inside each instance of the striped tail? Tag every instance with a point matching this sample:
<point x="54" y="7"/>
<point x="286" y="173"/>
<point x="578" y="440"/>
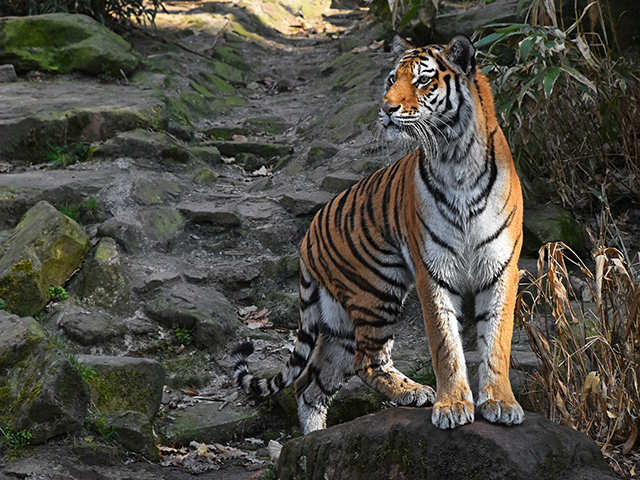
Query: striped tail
<point x="263" y="387"/>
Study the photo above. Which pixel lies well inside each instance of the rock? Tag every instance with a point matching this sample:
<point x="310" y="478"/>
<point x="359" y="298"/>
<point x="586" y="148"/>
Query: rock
<point x="209" y="213"/>
<point x="550" y="223"/>
<point x="337" y="182"/>
<point x="205" y="176"/>
<point x="204" y="310"/>
<point x="350" y="120"/>
<point x="208" y="154"/>
<point x="271" y="125"/>
<point x="40" y="391"/>
<point x="155" y="191"/>
<point x="86" y="327"/>
<point x="305" y="202"/>
<point x="124" y="383"/>
<point x="401" y="443"/>
<point x="466" y="21"/>
<point x="225" y="133"/>
<point x="206" y="423"/>
<point x="142" y="143"/>
<point x="102" y="281"/>
<point x="133" y="431"/>
<point x="7" y="74"/>
<point x="81" y="44"/>
<point x="319" y="152"/>
<point x="129" y="235"/>
<point x="162" y="224"/>
<point x="265" y="150"/>
<point x="39" y="115"/>
<point x="44" y="250"/>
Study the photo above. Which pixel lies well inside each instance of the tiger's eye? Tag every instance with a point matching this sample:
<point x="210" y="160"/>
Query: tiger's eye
<point x="423" y="79"/>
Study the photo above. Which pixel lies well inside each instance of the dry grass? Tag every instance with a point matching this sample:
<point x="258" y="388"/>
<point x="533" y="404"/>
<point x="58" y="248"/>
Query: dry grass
<point x="584" y="325"/>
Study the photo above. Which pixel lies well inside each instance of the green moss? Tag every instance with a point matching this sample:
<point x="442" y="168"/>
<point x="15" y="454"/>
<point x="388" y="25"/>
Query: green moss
<point x="227" y="72"/>
<point x="232" y="57"/>
<point x="219" y="85"/>
<point x="119" y="390"/>
<point x="205" y="176"/>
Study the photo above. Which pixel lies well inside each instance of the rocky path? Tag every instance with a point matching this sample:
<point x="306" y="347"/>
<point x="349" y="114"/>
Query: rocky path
<point x="204" y="171"/>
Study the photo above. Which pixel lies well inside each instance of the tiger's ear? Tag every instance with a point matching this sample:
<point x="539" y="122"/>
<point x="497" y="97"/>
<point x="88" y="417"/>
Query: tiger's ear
<point x="399" y="45"/>
<point x="461" y="53"/>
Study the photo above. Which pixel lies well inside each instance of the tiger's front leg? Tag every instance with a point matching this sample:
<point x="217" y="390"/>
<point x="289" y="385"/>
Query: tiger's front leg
<point x="494" y="308"/>
<point x="441" y="308"/>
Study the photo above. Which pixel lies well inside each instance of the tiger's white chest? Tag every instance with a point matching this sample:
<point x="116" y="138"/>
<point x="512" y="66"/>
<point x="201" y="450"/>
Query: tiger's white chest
<point x="464" y="211"/>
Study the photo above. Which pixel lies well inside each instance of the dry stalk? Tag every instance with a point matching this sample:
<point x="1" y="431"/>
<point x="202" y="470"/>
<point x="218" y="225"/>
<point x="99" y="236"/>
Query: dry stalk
<point x="584" y="325"/>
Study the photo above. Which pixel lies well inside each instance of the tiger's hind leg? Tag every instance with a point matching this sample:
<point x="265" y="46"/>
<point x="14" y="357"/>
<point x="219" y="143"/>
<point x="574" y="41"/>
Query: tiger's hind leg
<point x="374" y="332"/>
<point x="331" y="361"/>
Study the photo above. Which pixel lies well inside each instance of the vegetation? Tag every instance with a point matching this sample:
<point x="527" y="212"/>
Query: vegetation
<point x="569" y="109"/>
<point x="16" y="441"/>
<point x="65" y="155"/>
<point x="57" y="294"/>
<point x="100" y="425"/>
<point x="69" y="210"/>
<point x="183" y="336"/>
<point x="3" y="304"/>
<point x="140" y="11"/>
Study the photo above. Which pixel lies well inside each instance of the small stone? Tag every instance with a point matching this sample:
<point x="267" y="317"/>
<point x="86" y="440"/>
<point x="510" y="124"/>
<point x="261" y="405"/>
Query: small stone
<point x="209" y="213"/>
<point x="7" y="74"/>
<point x="304" y="202"/>
<point x="202" y="309"/>
<point x="133" y="431"/>
<point x="86" y="327"/>
<point x="338" y="182"/>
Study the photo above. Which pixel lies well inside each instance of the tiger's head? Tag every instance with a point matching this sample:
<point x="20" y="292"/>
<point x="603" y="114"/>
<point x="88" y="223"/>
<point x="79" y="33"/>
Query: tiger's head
<point x="427" y="93"/>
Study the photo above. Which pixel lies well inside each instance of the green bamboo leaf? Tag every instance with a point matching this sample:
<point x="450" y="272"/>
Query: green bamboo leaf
<point x="489" y="39"/>
<point x="526" y="45"/>
<point x="549" y="80"/>
<point x="579" y="77"/>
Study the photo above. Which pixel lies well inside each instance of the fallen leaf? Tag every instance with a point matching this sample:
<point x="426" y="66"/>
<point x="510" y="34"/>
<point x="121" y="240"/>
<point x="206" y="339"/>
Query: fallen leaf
<point x="238" y="138"/>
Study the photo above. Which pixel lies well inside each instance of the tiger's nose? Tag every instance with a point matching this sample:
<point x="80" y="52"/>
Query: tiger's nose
<point x="389" y="108"/>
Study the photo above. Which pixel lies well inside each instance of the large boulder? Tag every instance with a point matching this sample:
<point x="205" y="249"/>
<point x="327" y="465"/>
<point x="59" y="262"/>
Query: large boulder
<point x="44" y="250"/>
<point x="40" y="391"/>
<point x="551" y="223"/>
<point x="401" y="443"/>
<point x="120" y="384"/>
<point x="61" y="42"/>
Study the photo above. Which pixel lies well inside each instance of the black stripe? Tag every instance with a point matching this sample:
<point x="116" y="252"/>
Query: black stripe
<point x="313" y="299"/>
<point x="497" y="233"/>
<point x="304" y="283"/>
<point x="297" y="360"/>
<point x="378" y="341"/>
<point x="306" y="338"/>
<point x="487" y="285"/>
<point x="278" y="381"/>
<point x="439" y="281"/>
<point x="255" y="385"/>
<point x="241" y="375"/>
<point x="447" y="81"/>
<point x="436" y="238"/>
<point x="486" y="191"/>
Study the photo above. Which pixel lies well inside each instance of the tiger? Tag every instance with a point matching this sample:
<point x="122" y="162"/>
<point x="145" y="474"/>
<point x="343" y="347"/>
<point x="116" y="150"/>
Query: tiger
<point x="447" y="219"/>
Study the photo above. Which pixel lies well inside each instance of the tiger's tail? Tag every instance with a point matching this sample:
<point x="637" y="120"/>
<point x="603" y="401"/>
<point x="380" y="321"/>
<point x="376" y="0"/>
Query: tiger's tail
<point x="263" y="387"/>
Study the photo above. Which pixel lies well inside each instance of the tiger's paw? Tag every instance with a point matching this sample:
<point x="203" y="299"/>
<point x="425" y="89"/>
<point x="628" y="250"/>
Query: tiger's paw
<point x="452" y="414"/>
<point x="501" y="411"/>
<point x="418" y="397"/>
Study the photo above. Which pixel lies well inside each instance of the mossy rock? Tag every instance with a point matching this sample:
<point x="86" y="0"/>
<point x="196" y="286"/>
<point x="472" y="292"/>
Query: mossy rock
<point x="272" y="125"/>
<point x="120" y="384"/>
<point x="142" y="143"/>
<point x="231" y="56"/>
<point x="155" y="191"/>
<point x="550" y="223"/>
<point x="205" y="176"/>
<point x="62" y="43"/>
<point x="162" y="224"/>
<point x="133" y="430"/>
<point x="44" y="250"/>
<point x="206" y="153"/>
<point x="40" y="391"/>
<point x="102" y="281"/>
